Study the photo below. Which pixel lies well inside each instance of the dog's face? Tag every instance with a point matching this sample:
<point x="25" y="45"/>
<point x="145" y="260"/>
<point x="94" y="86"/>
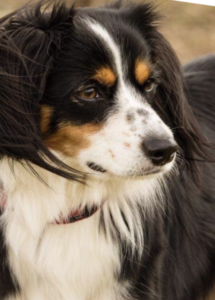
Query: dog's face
<point x="102" y="85"/>
<point x="100" y="108"/>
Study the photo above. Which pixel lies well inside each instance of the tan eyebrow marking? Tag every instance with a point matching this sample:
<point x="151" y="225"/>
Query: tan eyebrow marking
<point x="105" y="76"/>
<point x="211" y="294"/>
<point x="141" y="71"/>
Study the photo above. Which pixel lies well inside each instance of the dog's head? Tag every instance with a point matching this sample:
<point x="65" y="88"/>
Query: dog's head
<point x="100" y="86"/>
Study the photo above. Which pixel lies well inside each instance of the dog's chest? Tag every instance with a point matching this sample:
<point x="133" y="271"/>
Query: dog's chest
<point x="79" y="261"/>
<point x="70" y="262"/>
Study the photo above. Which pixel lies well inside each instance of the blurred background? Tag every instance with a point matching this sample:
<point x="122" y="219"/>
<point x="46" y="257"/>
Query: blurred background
<point x="190" y="28"/>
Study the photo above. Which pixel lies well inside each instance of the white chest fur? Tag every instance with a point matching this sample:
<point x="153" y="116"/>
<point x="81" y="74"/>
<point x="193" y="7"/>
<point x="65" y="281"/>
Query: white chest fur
<point x="78" y="261"/>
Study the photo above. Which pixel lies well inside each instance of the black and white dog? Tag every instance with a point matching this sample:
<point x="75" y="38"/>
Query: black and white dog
<point x="108" y="181"/>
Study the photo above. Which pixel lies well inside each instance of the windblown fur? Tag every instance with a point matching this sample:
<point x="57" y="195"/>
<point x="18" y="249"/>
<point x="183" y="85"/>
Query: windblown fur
<point x="62" y="149"/>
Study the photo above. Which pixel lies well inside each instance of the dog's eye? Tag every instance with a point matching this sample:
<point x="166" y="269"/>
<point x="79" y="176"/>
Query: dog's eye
<point x="149" y="85"/>
<point x="88" y="94"/>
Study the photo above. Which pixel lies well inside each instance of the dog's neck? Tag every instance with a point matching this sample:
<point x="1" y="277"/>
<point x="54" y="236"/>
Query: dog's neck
<point x="32" y="238"/>
<point x="124" y="199"/>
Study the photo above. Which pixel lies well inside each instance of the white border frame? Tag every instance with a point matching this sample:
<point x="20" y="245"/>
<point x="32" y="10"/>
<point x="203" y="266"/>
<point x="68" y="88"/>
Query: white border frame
<point x="203" y="2"/>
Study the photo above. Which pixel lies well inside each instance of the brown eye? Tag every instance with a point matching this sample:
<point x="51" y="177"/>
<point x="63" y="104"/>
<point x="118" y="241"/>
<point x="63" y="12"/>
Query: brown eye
<point x="89" y="93"/>
<point x="149" y="85"/>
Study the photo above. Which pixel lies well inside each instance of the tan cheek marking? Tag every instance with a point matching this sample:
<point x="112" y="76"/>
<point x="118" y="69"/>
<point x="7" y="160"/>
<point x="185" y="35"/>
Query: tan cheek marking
<point x="45" y="117"/>
<point x="141" y="71"/>
<point x="71" y="139"/>
<point x="211" y="295"/>
<point x="105" y="76"/>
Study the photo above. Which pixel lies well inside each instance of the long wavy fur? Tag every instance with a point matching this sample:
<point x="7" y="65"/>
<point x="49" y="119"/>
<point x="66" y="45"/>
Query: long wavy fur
<point x="30" y="41"/>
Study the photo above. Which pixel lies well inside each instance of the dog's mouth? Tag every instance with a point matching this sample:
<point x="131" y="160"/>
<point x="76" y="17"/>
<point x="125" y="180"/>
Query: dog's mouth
<point x="152" y="172"/>
<point x="143" y="173"/>
<point x="96" y="167"/>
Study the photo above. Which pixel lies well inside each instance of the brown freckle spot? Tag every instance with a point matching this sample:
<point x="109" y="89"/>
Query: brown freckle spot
<point x="71" y="139"/>
<point x="127" y="145"/>
<point x="105" y="76"/>
<point x="133" y="128"/>
<point x="46" y="113"/>
<point x="141" y="71"/>
<point x="112" y="154"/>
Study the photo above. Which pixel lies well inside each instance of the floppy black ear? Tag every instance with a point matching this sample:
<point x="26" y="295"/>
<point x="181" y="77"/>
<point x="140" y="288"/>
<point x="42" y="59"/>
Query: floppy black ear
<point x="30" y="41"/>
<point x="37" y="33"/>
<point x="170" y="100"/>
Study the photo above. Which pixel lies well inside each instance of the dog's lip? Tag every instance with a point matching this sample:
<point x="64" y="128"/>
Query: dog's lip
<point x="144" y="173"/>
<point x="151" y="172"/>
<point x="95" y="167"/>
<point x="148" y="173"/>
<point x="98" y="168"/>
<point x="139" y="174"/>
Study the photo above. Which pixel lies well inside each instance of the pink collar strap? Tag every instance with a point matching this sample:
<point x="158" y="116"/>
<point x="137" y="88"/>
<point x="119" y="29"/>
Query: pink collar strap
<point x="79" y="214"/>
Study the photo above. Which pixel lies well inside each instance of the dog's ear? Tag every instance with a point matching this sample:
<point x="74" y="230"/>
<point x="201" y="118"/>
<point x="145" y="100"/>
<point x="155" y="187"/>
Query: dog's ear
<point x="30" y="41"/>
<point x="115" y="5"/>
<point x="170" y="101"/>
<point x="38" y="32"/>
<point x="141" y="16"/>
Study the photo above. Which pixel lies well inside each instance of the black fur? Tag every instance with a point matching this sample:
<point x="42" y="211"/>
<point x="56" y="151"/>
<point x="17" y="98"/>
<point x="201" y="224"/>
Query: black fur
<point x="30" y="41"/>
<point x="8" y="286"/>
<point x="45" y="58"/>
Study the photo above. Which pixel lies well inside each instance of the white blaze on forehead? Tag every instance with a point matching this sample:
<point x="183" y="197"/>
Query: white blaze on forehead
<point x="128" y="98"/>
<point x="110" y="44"/>
<point x="127" y="95"/>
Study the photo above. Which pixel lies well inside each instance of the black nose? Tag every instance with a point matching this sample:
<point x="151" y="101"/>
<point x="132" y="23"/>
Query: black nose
<point x="160" y="151"/>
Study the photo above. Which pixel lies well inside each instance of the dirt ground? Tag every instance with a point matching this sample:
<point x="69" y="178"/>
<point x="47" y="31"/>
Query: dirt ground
<point x="190" y="28"/>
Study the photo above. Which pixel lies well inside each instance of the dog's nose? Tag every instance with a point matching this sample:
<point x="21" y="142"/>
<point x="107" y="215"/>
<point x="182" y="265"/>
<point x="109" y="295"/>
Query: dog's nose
<point x="160" y="151"/>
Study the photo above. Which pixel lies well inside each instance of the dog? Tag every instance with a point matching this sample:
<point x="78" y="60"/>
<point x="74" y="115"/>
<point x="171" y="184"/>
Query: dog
<point x="106" y="144"/>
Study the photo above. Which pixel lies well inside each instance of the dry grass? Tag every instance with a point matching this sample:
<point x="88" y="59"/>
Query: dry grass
<point x="190" y="28"/>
